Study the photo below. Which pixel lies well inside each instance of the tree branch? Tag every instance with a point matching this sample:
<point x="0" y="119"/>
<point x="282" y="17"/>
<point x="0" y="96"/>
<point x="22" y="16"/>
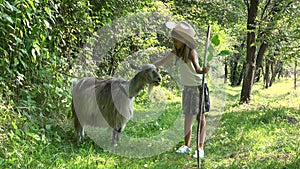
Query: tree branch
<point x="265" y="8"/>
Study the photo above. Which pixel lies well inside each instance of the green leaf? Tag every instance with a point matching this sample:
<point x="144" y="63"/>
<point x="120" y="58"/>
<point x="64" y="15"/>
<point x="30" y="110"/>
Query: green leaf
<point x="14" y="125"/>
<point x="48" y="127"/>
<point x="47" y="24"/>
<point x="31" y="4"/>
<point x="10" y="7"/>
<point x="33" y="54"/>
<point x="224" y="52"/>
<point x="5" y="16"/>
<point x="16" y="62"/>
<point x="215" y="40"/>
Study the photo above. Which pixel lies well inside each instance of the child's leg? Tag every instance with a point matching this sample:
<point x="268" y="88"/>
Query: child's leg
<point x="202" y="132"/>
<point x="188" y="123"/>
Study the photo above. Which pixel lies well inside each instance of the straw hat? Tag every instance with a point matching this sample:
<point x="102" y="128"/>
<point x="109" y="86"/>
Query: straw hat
<point x="183" y="32"/>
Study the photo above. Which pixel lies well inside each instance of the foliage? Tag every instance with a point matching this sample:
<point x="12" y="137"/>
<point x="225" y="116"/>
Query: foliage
<point x="37" y="41"/>
<point x="41" y="40"/>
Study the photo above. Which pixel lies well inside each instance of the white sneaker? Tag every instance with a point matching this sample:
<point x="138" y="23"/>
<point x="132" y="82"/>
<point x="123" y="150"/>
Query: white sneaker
<point x="183" y="149"/>
<point x="201" y="154"/>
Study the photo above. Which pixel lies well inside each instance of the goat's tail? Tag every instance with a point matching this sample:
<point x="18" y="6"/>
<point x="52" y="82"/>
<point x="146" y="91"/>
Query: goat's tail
<point x="74" y="82"/>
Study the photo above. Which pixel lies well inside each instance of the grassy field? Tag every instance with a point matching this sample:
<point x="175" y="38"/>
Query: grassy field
<point x="263" y="134"/>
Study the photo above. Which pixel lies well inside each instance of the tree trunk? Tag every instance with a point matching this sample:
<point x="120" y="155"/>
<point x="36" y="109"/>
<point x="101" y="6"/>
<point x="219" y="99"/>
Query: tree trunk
<point x="241" y="75"/>
<point x="226" y="72"/>
<point x="267" y="74"/>
<point x="251" y="48"/>
<point x="280" y="69"/>
<point x="262" y="50"/>
<point x="273" y="69"/>
<point x="233" y="70"/>
<point x="257" y="74"/>
<point x="295" y="75"/>
<point x="233" y="74"/>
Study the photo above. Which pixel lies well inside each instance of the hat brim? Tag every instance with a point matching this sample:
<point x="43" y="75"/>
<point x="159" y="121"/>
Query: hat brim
<point x="186" y="39"/>
<point x="171" y="25"/>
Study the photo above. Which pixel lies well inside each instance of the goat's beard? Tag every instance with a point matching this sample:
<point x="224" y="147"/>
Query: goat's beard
<point x="150" y="87"/>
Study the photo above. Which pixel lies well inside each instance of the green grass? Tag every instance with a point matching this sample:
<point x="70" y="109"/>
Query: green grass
<point x="262" y="134"/>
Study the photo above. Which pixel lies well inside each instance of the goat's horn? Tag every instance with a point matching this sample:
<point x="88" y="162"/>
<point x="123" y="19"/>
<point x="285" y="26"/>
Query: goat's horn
<point x="142" y="67"/>
<point x="135" y="67"/>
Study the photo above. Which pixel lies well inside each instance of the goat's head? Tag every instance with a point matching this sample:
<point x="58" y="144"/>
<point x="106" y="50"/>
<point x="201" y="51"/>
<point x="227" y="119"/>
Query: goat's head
<point x="150" y="75"/>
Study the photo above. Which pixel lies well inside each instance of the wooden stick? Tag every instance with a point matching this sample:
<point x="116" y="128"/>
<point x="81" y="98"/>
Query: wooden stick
<point x="202" y="95"/>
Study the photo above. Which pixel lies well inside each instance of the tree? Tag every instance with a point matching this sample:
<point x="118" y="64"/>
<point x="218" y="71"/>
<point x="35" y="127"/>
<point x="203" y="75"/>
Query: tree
<point x="271" y="14"/>
<point x="251" y="49"/>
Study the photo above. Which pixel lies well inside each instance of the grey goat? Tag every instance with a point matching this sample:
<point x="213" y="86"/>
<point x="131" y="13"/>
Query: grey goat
<point x="102" y="102"/>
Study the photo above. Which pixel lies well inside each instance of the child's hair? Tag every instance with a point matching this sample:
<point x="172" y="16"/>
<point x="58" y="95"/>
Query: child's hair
<point x="183" y="53"/>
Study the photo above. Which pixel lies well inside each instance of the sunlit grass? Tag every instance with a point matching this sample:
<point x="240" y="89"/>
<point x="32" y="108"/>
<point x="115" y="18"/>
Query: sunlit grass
<point x="281" y="94"/>
<point x="262" y="134"/>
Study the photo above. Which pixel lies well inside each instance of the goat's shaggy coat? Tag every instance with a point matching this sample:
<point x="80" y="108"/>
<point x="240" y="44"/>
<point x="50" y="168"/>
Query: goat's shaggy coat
<point x="109" y="102"/>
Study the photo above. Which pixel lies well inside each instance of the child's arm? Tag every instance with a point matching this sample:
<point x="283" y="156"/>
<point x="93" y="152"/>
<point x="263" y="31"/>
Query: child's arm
<point x="195" y="61"/>
<point x="164" y="59"/>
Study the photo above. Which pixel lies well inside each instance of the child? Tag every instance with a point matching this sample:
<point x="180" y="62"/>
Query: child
<point x="191" y="78"/>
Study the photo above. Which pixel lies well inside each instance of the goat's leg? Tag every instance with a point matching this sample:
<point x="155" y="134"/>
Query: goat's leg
<point x="78" y="128"/>
<point x="116" y="137"/>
